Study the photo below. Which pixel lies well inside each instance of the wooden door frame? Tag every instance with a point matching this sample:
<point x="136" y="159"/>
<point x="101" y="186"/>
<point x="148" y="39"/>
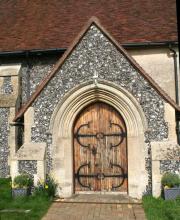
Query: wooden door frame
<point x="61" y="126"/>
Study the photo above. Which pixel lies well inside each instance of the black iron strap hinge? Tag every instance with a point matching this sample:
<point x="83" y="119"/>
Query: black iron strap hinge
<point x="100" y="176"/>
<point x="100" y="135"/>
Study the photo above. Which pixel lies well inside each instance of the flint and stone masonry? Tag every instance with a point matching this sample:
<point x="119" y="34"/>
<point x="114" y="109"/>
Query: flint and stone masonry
<point x="6" y="88"/>
<point x="27" y="166"/>
<point x="170" y="166"/>
<point x="33" y="72"/>
<point x="94" y="54"/>
<point x="4" y="147"/>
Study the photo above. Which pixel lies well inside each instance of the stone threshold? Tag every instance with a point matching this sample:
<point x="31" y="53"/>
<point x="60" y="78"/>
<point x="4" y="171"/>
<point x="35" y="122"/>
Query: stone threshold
<point x="99" y="199"/>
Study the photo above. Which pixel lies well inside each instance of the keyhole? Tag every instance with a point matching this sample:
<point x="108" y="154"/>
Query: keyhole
<point x="94" y="151"/>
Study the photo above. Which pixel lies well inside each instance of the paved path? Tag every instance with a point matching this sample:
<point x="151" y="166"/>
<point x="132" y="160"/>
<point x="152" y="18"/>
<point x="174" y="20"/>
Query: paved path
<point x="90" y="211"/>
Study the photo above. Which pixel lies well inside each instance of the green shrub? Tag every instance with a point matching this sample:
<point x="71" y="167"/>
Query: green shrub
<point x="22" y="181"/>
<point x="51" y="186"/>
<point x="47" y="188"/>
<point x="160" y="209"/>
<point x="170" y="180"/>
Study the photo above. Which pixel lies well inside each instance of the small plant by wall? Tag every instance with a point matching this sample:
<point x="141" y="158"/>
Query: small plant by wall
<point x="171" y="183"/>
<point x="21" y="185"/>
<point x="170" y="180"/>
<point x="47" y="188"/>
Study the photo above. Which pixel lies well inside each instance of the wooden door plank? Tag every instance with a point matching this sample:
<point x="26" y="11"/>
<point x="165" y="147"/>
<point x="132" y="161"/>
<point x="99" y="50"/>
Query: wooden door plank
<point x="99" y="115"/>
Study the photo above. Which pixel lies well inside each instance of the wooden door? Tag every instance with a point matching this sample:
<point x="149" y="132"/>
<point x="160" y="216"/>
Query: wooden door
<point x="100" y="152"/>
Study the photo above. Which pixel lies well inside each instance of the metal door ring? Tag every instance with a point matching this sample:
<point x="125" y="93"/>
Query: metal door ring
<point x="100" y="135"/>
<point x="100" y="176"/>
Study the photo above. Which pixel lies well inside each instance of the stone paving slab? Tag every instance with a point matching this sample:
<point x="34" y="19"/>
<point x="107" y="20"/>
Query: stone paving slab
<point x="90" y="211"/>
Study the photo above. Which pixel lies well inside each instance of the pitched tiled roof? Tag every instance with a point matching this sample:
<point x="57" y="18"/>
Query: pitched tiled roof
<point x="94" y="21"/>
<point x="42" y="24"/>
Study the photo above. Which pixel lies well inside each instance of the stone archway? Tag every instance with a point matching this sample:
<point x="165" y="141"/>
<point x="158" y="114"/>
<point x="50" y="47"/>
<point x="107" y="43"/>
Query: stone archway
<point x="61" y="128"/>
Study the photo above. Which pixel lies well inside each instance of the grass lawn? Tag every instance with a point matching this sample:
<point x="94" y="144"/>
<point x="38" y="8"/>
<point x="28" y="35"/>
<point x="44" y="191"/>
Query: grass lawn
<point x="37" y="204"/>
<point x="159" y="209"/>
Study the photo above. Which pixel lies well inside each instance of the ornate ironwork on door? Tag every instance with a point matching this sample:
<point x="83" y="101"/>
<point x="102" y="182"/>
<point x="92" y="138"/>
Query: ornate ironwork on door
<point x="100" y="150"/>
<point x="100" y="176"/>
<point x="100" y="135"/>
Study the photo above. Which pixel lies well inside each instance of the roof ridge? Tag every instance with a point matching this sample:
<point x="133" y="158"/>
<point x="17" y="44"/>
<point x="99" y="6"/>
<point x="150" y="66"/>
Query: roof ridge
<point x="93" y="20"/>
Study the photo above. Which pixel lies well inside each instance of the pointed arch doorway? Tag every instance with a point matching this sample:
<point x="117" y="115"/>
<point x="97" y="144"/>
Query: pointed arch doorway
<point x="100" y="150"/>
<point x="62" y="123"/>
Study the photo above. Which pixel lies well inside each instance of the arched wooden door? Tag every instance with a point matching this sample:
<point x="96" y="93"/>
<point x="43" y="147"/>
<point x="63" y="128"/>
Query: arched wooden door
<point x="100" y="151"/>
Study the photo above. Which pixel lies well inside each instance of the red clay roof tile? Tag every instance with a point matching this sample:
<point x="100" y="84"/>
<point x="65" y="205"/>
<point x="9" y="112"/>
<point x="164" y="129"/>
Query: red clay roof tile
<point x="46" y="80"/>
<point x="44" y="24"/>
